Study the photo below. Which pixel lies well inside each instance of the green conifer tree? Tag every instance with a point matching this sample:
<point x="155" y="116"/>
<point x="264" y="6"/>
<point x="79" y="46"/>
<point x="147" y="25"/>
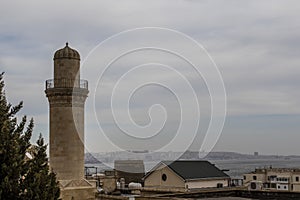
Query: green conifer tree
<point x="39" y="183"/>
<point x="14" y="142"/>
<point x="14" y="168"/>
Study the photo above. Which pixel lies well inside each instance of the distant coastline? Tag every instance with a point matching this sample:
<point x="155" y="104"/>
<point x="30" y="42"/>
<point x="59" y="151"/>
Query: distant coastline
<point x="235" y="164"/>
<point x="189" y="155"/>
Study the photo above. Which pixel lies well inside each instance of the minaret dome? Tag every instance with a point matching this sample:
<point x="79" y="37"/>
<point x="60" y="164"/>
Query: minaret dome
<point x="66" y="52"/>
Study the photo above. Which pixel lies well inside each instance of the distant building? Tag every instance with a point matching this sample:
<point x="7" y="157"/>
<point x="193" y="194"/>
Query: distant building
<point x="282" y="179"/>
<point x="130" y="170"/>
<point x="256" y="153"/>
<point x="186" y="174"/>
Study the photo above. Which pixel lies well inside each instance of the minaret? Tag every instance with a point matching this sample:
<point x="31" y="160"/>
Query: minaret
<point x="67" y="94"/>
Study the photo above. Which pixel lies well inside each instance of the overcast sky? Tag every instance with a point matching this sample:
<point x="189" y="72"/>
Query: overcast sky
<point x="255" y="44"/>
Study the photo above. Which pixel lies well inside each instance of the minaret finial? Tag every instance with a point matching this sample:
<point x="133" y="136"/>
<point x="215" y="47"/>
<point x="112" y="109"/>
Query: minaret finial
<point x="67" y="43"/>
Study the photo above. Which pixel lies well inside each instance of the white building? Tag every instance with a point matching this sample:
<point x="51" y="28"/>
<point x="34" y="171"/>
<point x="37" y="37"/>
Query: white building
<point x="186" y="174"/>
<point x="282" y="179"/>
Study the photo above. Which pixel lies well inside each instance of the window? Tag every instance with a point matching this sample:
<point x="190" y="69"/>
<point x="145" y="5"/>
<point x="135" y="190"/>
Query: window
<point x="164" y="177"/>
<point x="278" y="186"/>
<point x="254" y="178"/>
<point x="297" y="178"/>
<point x="253" y="186"/>
<point x="284" y="187"/>
<point x="272" y="178"/>
<point x="245" y="177"/>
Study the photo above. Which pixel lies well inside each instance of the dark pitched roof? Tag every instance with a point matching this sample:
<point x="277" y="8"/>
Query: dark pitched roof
<point x="195" y="169"/>
<point x="198" y="169"/>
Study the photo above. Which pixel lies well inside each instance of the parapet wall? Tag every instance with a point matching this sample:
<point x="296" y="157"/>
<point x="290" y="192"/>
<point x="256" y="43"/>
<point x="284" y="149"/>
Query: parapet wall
<point x="230" y="192"/>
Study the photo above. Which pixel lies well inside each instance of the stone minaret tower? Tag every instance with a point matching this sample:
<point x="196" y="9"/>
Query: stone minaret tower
<point x="67" y="94"/>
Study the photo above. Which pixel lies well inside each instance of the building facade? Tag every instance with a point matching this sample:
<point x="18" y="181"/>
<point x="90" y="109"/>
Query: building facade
<point x="280" y="179"/>
<point x="186" y="174"/>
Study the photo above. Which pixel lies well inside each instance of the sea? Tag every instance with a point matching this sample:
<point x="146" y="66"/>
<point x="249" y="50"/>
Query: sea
<point x="234" y="168"/>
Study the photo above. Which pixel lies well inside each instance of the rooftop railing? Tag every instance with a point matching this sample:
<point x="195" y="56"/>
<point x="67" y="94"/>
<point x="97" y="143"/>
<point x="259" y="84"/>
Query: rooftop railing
<point x="66" y="83"/>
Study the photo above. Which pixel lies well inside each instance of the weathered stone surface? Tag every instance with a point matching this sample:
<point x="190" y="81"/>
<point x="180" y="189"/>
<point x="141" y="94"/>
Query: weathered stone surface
<point x="66" y="98"/>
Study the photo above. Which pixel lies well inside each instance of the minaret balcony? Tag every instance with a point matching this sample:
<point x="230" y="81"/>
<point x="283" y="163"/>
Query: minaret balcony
<point x="66" y="83"/>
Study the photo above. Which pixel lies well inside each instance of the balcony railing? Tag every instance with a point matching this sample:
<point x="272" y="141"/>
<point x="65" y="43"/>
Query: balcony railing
<point x="66" y="83"/>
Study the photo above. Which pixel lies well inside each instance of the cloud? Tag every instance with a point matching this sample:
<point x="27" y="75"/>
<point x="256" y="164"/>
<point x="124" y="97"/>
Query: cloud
<point x="255" y="44"/>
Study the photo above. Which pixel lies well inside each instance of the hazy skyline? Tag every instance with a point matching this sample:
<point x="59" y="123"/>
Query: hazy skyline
<point x="254" y="43"/>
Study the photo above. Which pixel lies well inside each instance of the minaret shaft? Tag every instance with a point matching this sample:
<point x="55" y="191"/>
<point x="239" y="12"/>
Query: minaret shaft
<point x="67" y="94"/>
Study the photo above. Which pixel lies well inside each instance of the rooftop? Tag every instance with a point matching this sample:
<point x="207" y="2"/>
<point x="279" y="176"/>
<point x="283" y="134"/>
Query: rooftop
<point x="190" y="169"/>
